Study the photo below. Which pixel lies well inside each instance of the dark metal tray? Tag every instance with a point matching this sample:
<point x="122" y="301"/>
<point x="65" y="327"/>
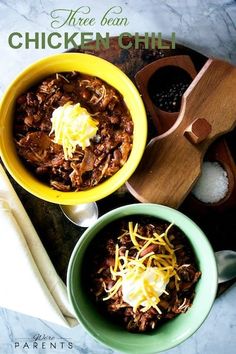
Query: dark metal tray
<point x="59" y="236"/>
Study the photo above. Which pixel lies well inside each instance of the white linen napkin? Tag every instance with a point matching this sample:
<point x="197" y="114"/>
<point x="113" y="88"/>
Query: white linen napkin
<point x="29" y="282"/>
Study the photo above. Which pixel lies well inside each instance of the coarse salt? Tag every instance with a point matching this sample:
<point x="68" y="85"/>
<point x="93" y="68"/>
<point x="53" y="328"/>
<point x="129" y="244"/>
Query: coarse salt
<point x="212" y="185"/>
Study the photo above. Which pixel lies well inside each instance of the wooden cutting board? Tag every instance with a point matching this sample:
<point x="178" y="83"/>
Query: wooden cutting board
<point x="172" y="162"/>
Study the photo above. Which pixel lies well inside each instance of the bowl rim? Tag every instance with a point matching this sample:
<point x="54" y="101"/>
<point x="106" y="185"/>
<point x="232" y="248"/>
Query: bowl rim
<point x="140" y="209"/>
<point x="27" y="180"/>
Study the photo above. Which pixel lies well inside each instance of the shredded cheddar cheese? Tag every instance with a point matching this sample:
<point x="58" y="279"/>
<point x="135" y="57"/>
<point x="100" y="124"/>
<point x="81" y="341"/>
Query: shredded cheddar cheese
<point x="73" y="126"/>
<point x="143" y="278"/>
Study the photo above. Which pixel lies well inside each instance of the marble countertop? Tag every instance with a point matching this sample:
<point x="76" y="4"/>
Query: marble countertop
<point x="205" y="25"/>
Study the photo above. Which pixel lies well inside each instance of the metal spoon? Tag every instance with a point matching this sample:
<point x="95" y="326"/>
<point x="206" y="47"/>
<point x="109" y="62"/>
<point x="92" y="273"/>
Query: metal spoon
<point x="81" y="214"/>
<point x="226" y="264"/>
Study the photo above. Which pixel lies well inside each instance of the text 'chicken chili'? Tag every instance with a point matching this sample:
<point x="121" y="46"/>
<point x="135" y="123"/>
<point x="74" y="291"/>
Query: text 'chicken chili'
<point x="73" y="131"/>
<point x="142" y="273"/>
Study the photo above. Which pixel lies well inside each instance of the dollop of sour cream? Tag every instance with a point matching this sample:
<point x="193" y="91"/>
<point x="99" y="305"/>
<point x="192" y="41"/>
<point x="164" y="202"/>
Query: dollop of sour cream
<point x="136" y="285"/>
<point x="73" y="125"/>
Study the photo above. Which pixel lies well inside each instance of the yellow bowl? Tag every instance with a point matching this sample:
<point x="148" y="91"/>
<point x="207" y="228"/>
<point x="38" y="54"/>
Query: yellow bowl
<point x="87" y="64"/>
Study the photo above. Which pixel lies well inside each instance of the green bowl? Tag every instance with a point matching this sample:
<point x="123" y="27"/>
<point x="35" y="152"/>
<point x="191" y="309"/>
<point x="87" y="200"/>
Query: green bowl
<point x="175" y="330"/>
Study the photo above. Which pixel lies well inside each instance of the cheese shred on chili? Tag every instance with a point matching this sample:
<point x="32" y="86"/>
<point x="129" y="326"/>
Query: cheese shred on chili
<point x="145" y="270"/>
